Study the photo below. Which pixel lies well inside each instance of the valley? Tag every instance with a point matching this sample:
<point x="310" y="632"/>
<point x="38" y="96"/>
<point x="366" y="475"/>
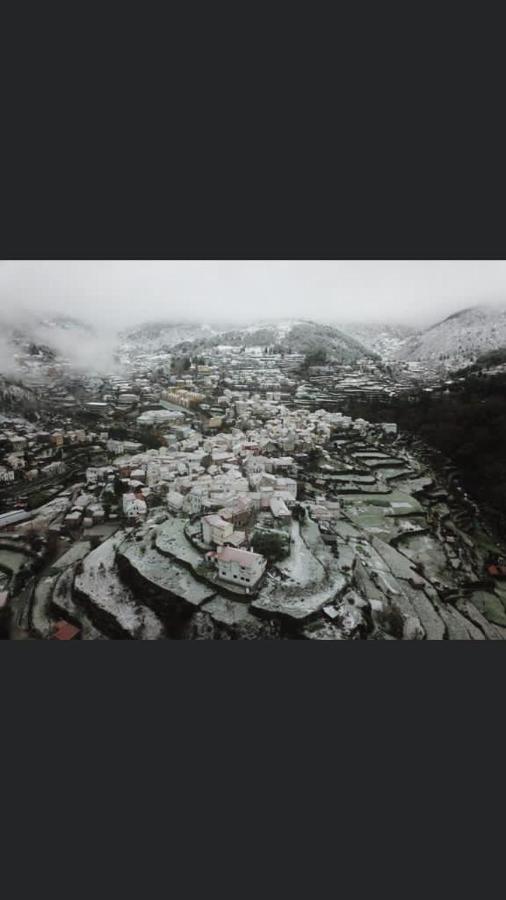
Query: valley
<point x="274" y="481"/>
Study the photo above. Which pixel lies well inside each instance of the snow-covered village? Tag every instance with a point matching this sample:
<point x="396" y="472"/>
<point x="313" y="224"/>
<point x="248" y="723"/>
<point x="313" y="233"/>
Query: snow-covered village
<point x="281" y="479"/>
<point x="208" y="496"/>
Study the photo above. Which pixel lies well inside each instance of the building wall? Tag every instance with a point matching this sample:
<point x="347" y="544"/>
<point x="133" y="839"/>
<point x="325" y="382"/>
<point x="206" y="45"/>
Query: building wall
<point x="216" y="534"/>
<point x="246" y="576"/>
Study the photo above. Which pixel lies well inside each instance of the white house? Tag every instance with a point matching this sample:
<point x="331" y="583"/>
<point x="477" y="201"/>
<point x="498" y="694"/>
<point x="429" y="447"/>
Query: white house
<point x="254" y="465"/>
<point x="192" y="504"/>
<point x="97" y="474"/>
<point x="115" y="447"/>
<point x="73" y="518"/>
<point x="279" y="508"/>
<point x="54" y="468"/>
<point x="241" y="567"/>
<point x="216" y="530"/>
<point x="97" y="513"/>
<point x="15" y="461"/>
<point x="175" y="501"/>
<point x="280" y="463"/>
<point x="17" y="442"/>
<point x="134" y="507"/>
<point x="287" y="485"/>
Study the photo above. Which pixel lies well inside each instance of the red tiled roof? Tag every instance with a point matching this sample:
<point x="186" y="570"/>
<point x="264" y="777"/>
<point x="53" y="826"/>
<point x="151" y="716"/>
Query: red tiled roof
<point x="497" y="571"/>
<point x="64" y="631"/>
<point x="243" y="557"/>
<point x="214" y="520"/>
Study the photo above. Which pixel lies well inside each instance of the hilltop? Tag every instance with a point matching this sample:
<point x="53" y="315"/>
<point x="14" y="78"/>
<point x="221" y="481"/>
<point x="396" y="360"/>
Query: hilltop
<point x="296" y="337"/>
<point x="460" y="339"/>
<point x="152" y="337"/>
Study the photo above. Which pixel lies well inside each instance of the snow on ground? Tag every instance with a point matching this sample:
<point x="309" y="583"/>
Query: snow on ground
<point x="12" y="559"/>
<point x="15" y="420"/>
<point x="76" y="552"/>
<point x="311" y="536"/>
<point x="100" y="582"/>
<point x="40" y="606"/>
<point x="425" y="549"/>
<point x="171" y="539"/>
<point x="301" y="567"/>
<point x="62" y="597"/>
<point x="166" y="573"/>
<point x="345" y="530"/>
<point x="233" y="613"/>
<point x="298" y="604"/>
<point x="478" y="603"/>
<point x="491" y="605"/>
<point x="398" y="564"/>
<point x="50" y="511"/>
<point x="459" y="628"/>
<point x="308" y="585"/>
<point x="323" y="631"/>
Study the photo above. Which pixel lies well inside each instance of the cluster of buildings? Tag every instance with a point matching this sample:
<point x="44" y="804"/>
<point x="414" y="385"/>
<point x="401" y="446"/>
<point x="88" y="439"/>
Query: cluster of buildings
<point x="229" y="486"/>
<point x="183" y="397"/>
<point x="28" y="453"/>
<point x="229" y="483"/>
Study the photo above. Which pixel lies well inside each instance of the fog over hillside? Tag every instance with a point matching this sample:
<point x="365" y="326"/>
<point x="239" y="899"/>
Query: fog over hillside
<point x="83" y="309"/>
<point x="85" y="349"/>
<point x="7" y="361"/>
<point x="119" y="294"/>
<point x="277" y="450"/>
<point x="74" y="340"/>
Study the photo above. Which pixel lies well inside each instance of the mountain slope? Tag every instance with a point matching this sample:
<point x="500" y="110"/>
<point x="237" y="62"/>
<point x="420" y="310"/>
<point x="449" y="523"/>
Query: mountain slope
<point x="297" y="337"/>
<point x="163" y="335"/>
<point x="458" y="340"/>
<point x="16" y="399"/>
<point x="378" y="337"/>
<point x="42" y="336"/>
<point x="61" y="339"/>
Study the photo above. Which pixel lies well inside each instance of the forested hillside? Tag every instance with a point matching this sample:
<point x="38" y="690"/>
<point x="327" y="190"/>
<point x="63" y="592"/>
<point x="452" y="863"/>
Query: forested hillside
<point x="467" y="422"/>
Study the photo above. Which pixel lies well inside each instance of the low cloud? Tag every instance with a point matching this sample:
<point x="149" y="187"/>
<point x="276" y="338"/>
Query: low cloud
<point x="84" y="350"/>
<point x="83" y="347"/>
<point x="119" y="293"/>
<point x="8" y="363"/>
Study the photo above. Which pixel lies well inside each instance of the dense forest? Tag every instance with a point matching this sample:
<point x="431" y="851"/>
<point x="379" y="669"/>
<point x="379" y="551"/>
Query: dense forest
<point x="467" y="422"/>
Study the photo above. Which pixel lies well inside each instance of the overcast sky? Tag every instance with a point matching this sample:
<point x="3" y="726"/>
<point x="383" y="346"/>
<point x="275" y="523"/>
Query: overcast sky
<point x="118" y="293"/>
